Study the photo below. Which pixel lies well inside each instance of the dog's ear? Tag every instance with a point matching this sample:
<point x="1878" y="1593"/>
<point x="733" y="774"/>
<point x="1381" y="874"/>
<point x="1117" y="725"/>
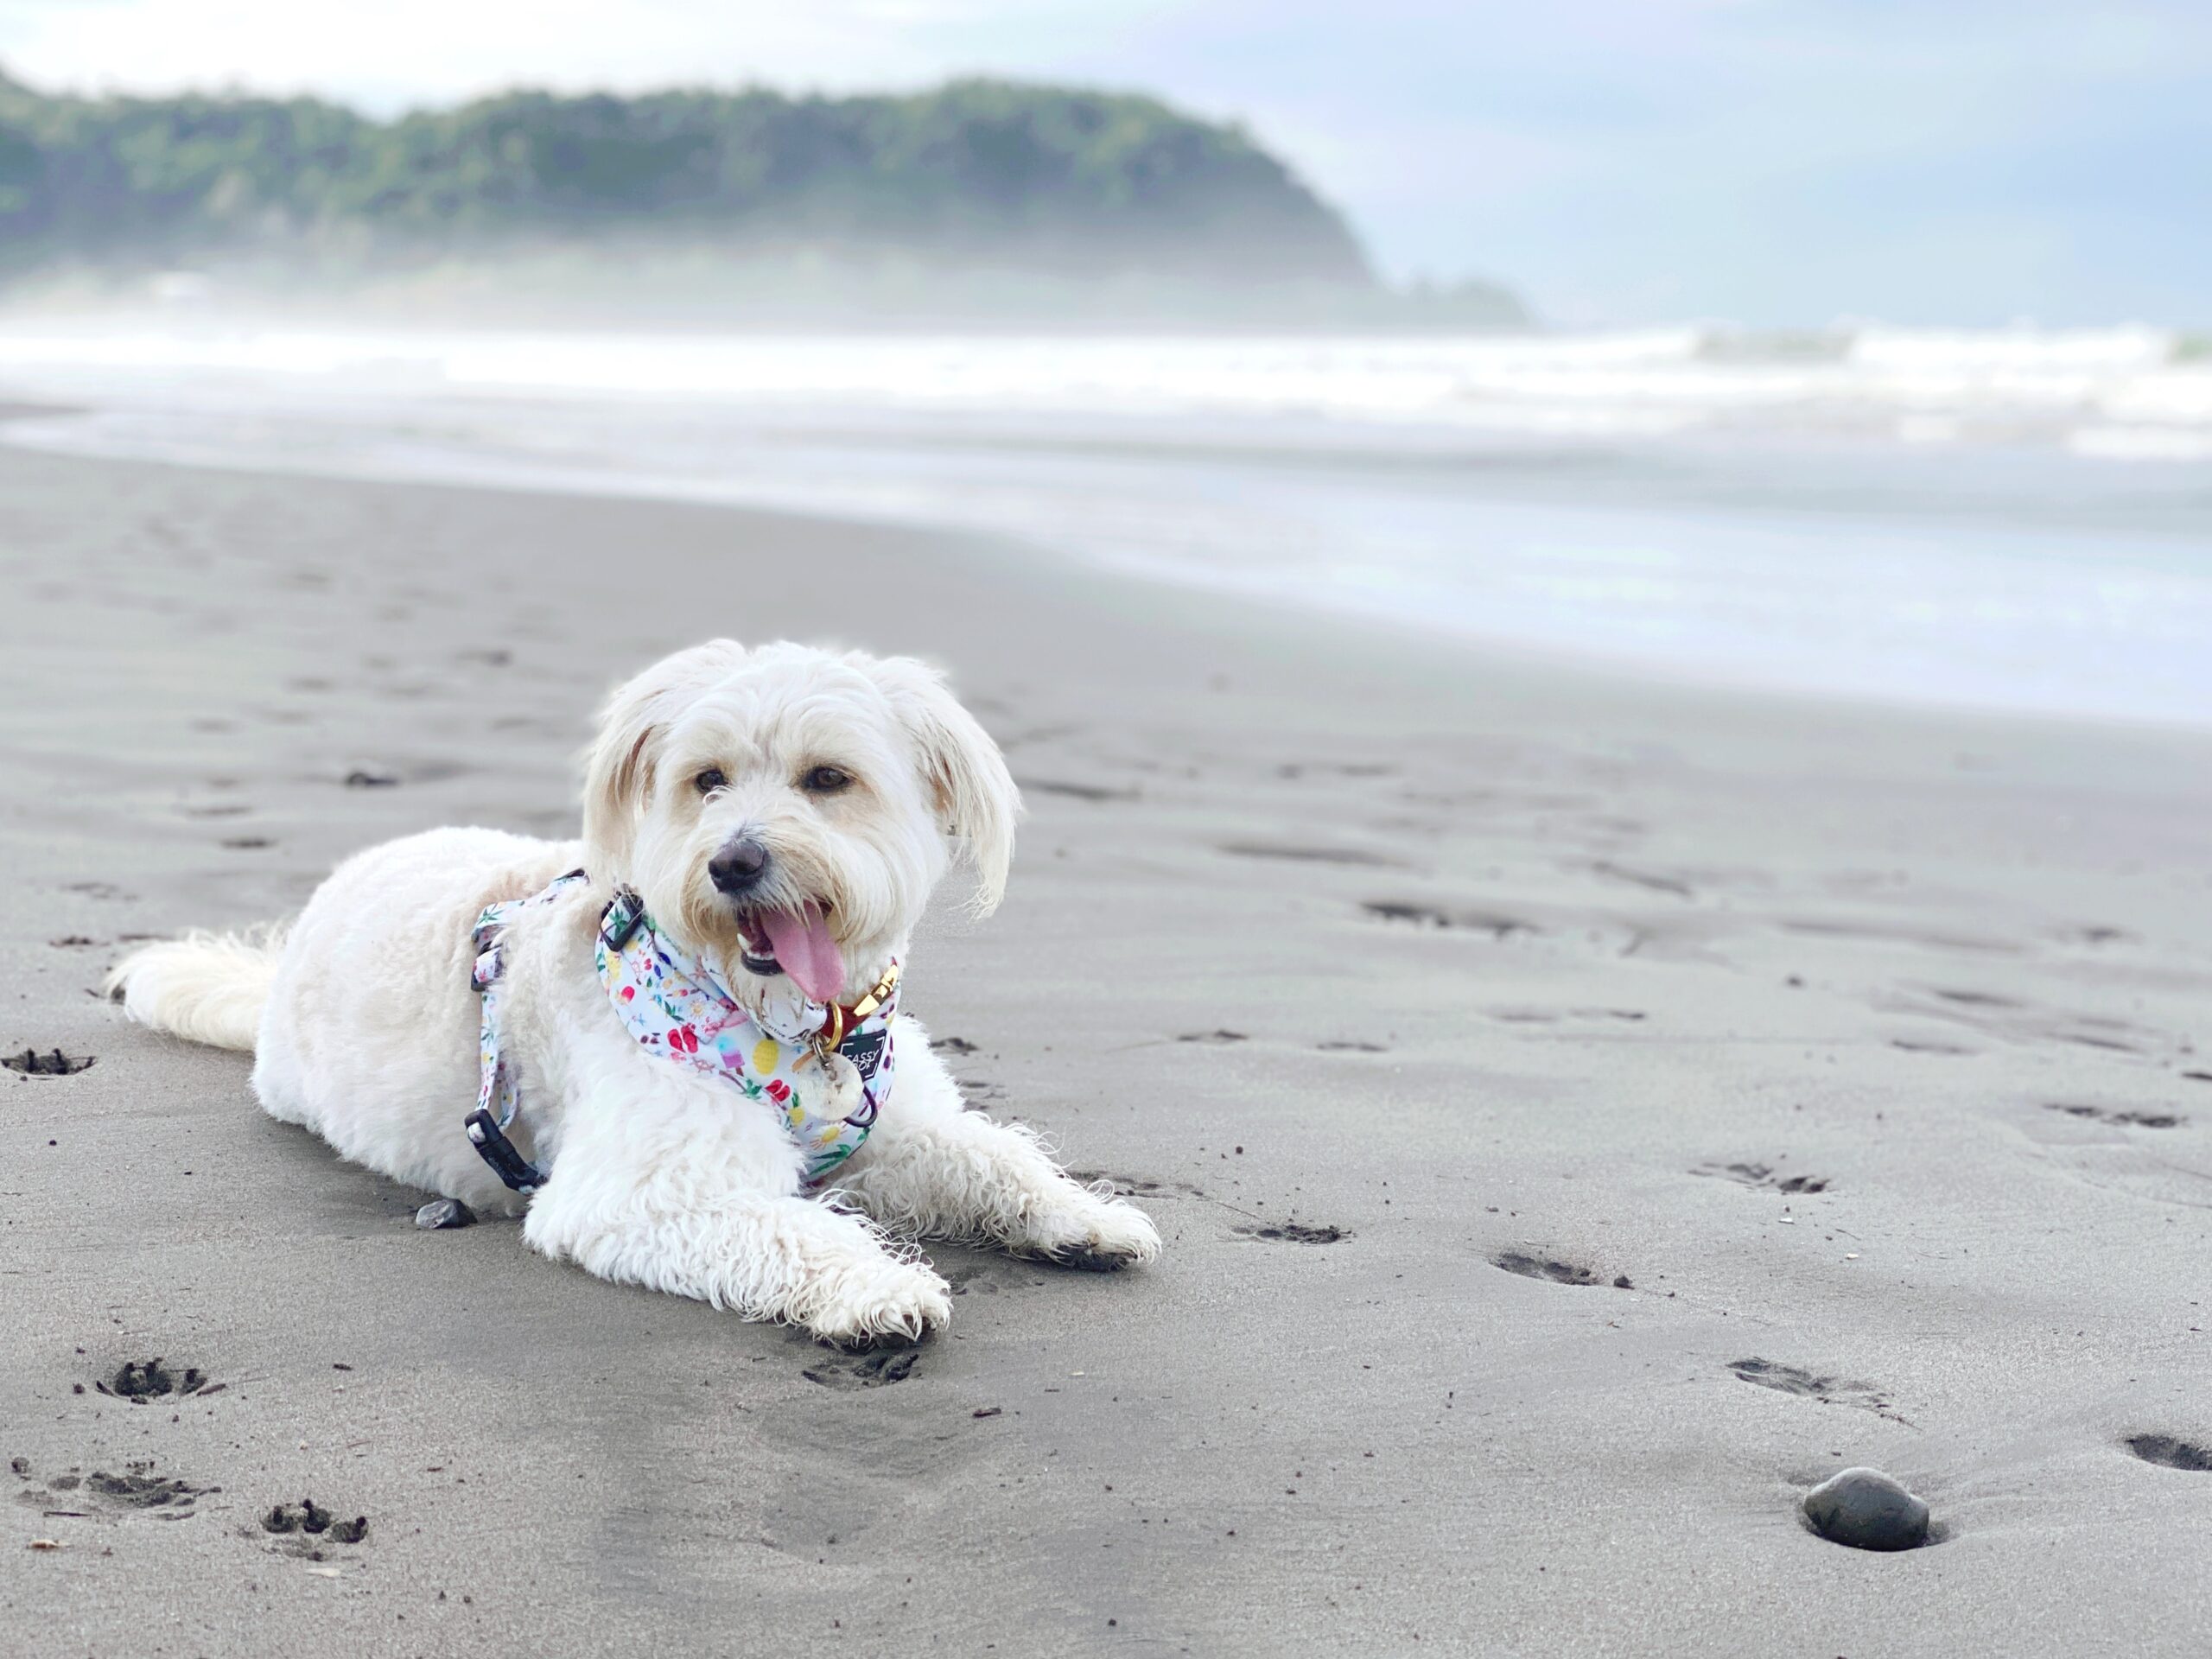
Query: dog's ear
<point x="619" y="766"/>
<point x="976" y="801"/>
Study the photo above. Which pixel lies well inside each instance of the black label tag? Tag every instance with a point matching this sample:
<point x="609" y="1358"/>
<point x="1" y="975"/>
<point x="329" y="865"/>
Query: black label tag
<point x="865" y="1050"/>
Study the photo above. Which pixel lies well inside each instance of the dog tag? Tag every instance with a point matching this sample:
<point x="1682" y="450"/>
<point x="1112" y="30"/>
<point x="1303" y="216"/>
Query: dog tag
<point x="865" y="1050"/>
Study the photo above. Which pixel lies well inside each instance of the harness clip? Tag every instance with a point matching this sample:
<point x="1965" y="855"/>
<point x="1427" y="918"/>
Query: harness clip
<point x="492" y="1143"/>
<point x="625" y="915"/>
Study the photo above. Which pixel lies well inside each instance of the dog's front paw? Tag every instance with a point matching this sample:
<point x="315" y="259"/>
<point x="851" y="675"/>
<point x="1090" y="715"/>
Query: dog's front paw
<point x="1088" y="1231"/>
<point x="897" y="1299"/>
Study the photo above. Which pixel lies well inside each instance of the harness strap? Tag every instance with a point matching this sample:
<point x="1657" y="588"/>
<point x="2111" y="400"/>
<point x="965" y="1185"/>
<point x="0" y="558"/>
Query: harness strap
<point x="498" y="1099"/>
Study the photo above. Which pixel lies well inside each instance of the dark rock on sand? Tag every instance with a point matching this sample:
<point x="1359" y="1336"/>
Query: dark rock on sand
<point x="1866" y="1510"/>
<point x="441" y="1213"/>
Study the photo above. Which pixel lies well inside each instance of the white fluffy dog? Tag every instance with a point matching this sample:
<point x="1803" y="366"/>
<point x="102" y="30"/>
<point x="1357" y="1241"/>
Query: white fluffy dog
<point x="775" y="816"/>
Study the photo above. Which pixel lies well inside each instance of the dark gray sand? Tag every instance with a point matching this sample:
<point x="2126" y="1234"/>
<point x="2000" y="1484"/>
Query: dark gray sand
<point x="1582" y="1117"/>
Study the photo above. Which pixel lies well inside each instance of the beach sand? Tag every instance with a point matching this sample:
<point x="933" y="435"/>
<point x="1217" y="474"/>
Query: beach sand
<point x="1582" y="1116"/>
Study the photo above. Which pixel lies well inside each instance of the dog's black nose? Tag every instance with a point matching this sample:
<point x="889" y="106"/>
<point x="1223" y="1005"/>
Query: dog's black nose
<point x="739" y="868"/>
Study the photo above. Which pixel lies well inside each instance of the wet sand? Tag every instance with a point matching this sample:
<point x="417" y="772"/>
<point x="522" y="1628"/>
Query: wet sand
<point x="1582" y="1116"/>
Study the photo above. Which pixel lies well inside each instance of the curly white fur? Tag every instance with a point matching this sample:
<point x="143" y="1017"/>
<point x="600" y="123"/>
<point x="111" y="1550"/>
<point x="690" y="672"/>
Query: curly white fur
<point x="363" y="1022"/>
<point x="207" y="987"/>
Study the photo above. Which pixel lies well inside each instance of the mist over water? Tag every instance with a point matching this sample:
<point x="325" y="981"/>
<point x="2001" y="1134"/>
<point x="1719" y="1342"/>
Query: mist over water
<point x="2009" y="520"/>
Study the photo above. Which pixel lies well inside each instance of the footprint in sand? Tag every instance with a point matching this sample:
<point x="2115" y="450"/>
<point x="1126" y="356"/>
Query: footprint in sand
<point x="304" y="1529"/>
<point x="1879" y="933"/>
<point x="48" y="1063"/>
<point x="1522" y="1016"/>
<point x="143" y="1382"/>
<point x="1349" y="856"/>
<point x="989" y="1278"/>
<point x="1136" y="1186"/>
<point x="1553" y="1271"/>
<point x="1421" y="915"/>
<point x="2133" y="1120"/>
<point x="1649" y="881"/>
<point x="1074" y="791"/>
<point x="2171" y="1453"/>
<point x="1763" y="1175"/>
<point x="1992" y="1013"/>
<point x="101" y="1495"/>
<point x="1976" y="999"/>
<point x="2093" y="933"/>
<point x="1808" y="1385"/>
<point x="1337" y="768"/>
<point x="1289" y="1232"/>
<point x="877" y="1369"/>
<point x="103" y="890"/>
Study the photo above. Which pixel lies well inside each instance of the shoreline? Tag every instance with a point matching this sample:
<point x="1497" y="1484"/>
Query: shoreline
<point x="1618" y="675"/>
<point x="1386" y="976"/>
<point x="1610" y="504"/>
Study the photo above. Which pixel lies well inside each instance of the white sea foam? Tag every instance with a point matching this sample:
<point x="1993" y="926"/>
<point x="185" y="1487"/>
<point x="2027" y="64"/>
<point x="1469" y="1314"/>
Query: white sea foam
<point x="2142" y="442"/>
<point x="1679" y="379"/>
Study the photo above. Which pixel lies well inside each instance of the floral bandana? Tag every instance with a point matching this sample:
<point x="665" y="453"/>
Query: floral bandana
<point x="673" y="1005"/>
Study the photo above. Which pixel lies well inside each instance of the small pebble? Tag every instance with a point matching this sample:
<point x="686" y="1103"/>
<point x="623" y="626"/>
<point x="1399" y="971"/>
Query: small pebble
<point x="441" y="1213"/>
<point x="1866" y="1510"/>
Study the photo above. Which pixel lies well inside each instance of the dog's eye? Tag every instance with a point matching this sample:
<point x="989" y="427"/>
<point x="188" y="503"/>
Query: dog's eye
<point x="710" y="780"/>
<point x="824" y="780"/>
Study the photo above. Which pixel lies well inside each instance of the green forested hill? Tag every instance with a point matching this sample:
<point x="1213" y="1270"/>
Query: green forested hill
<point x="986" y="173"/>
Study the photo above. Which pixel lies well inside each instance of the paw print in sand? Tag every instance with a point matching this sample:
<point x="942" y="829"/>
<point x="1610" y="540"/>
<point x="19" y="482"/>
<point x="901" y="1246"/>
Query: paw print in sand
<point x="305" y="1528"/>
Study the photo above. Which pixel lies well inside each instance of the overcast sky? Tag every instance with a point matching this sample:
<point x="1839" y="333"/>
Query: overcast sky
<point x="1772" y="162"/>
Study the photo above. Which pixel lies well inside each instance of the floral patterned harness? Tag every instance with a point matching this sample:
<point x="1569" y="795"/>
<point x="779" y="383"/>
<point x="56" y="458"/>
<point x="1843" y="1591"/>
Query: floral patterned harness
<point x="674" y="1006"/>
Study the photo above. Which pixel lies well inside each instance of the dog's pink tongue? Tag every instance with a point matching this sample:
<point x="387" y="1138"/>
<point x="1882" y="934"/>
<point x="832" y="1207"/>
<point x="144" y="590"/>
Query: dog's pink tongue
<point x="804" y="950"/>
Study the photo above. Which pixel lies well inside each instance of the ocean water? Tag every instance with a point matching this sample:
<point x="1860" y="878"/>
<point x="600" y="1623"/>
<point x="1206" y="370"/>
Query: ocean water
<point x="2010" y="520"/>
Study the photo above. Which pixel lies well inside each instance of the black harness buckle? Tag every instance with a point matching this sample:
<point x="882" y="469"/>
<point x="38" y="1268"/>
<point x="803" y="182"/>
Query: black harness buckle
<point x="623" y="916"/>
<point x="509" y="1165"/>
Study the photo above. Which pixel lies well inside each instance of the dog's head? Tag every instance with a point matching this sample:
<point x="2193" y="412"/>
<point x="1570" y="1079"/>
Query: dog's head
<point x="784" y="810"/>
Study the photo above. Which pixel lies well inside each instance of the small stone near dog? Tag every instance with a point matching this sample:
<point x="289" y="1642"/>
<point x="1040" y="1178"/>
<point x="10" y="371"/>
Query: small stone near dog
<point x="441" y="1213"/>
<point x="1866" y="1510"/>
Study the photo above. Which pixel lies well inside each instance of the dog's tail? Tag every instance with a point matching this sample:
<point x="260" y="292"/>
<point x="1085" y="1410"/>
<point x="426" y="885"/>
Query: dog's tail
<point x="208" y="987"/>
